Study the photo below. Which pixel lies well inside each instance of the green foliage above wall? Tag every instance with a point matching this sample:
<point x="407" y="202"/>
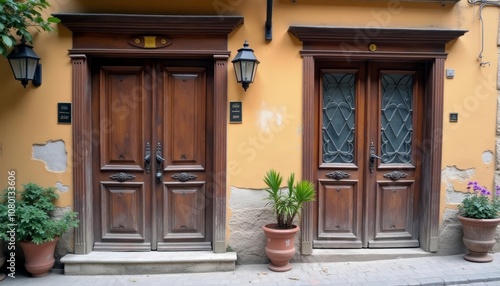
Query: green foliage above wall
<point x="17" y="17"/>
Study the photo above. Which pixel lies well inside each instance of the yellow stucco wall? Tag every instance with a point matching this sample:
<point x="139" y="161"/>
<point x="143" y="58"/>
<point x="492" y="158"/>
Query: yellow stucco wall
<point x="29" y="116"/>
<point x="472" y="94"/>
<point x="270" y="135"/>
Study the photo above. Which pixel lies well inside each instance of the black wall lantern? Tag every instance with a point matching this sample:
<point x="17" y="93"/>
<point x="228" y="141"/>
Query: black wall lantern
<point x="24" y="63"/>
<point x="245" y="65"/>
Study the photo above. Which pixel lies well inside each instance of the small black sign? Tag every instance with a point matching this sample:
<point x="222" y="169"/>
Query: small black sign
<point x="235" y="112"/>
<point x="453" y="117"/>
<point x="63" y="113"/>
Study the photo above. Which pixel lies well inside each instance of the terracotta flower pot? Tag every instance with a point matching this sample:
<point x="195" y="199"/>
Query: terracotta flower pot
<point x="280" y="246"/>
<point x="39" y="258"/>
<point x="479" y="237"/>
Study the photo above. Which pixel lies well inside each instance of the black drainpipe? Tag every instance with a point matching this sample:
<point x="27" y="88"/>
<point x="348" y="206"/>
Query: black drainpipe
<point x="269" y="20"/>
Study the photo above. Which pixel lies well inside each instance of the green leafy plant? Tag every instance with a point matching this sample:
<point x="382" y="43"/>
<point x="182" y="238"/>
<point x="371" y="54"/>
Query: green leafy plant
<point x="33" y="220"/>
<point x="478" y="204"/>
<point x="288" y="203"/>
<point x="17" y="17"/>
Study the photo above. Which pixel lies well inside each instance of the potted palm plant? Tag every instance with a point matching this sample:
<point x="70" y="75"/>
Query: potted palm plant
<point x="480" y="216"/>
<point x="36" y="229"/>
<point x="287" y="205"/>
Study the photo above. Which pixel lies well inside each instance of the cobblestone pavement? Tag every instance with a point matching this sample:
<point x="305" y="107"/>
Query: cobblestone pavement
<point x="432" y="270"/>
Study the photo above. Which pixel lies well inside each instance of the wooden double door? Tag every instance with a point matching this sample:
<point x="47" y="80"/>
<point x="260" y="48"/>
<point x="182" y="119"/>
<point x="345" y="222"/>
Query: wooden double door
<point x="152" y="154"/>
<point x="368" y="137"/>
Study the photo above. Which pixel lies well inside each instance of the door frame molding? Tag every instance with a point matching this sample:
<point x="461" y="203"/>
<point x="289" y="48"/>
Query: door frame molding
<point x="108" y="35"/>
<point x="386" y="44"/>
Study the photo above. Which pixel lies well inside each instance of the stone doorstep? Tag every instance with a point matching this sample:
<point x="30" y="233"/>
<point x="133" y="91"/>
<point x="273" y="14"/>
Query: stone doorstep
<point x="119" y="263"/>
<point x="372" y="254"/>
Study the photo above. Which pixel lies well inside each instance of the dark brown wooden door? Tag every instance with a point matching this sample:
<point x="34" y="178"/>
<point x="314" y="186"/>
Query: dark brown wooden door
<point x="368" y="133"/>
<point x="151" y="153"/>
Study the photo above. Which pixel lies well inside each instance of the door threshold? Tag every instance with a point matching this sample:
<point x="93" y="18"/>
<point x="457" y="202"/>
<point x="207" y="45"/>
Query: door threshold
<point x="153" y="262"/>
<point x="365" y="254"/>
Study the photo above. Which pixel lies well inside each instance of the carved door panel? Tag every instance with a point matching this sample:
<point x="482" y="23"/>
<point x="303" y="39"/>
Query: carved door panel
<point x="122" y="194"/>
<point x="368" y="136"/>
<point x="184" y="198"/>
<point x="150" y="151"/>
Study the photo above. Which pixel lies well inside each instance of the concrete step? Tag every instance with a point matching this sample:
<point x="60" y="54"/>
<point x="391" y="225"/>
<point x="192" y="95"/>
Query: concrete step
<point x="116" y="263"/>
<point x="365" y="254"/>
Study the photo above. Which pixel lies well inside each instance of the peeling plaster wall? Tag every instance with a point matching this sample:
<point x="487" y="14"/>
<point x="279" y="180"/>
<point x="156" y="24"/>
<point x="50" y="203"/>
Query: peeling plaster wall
<point x="487" y="157"/>
<point x="62" y="188"/>
<point x="449" y="176"/>
<point x="53" y="154"/>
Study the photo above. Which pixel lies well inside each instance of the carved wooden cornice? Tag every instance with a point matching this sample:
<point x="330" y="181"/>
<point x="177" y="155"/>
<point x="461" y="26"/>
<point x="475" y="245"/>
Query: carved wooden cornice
<point x="351" y="34"/>
<point x="149" y="24"/>
<point x="373" y="40"/>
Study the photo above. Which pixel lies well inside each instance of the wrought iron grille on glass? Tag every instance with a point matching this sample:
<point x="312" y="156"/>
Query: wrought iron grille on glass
<point x="396" y="118"/>
<point x="338" y="117"/>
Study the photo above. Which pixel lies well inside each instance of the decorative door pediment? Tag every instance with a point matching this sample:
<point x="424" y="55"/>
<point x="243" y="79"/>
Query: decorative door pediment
<point x="99" y="34"/>
<point x="375" y="42"/>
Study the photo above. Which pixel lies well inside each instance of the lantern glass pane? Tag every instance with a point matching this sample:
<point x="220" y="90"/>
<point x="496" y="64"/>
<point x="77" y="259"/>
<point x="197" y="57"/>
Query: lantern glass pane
<point x="19" y="68"/>
<point x="254" y="70"/>
<point x="237" y="71"/>
<point x="31" y="64"/>
<point x="248" y="71"/>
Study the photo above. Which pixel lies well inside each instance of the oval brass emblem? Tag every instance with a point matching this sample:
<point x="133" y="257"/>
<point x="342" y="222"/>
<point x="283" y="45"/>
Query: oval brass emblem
<point x="150" y="42"/>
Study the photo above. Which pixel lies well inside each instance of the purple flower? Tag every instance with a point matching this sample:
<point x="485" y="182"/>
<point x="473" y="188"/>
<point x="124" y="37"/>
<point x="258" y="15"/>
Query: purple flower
<point x="481" y="190"/>
<point x="485" y="192"/>
<point x="479" y="204"/>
